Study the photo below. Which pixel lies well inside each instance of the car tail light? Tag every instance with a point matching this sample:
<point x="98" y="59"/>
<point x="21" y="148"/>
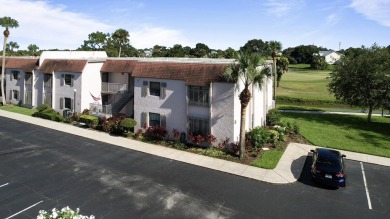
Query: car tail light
<point x="340" y="175"/>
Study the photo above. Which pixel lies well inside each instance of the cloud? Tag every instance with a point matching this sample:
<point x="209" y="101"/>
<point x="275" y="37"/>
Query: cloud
<point x="376" y="10"/>
<point x="332" y="19"/>
<point x="49" y="26"/>
<point x="282" y="8"/>
<point x="149" y="36"/>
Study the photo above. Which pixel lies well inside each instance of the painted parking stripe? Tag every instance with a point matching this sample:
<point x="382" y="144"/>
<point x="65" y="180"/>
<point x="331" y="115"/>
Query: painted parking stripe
<point x="24" y="210"/>
<point x="365" y="185"/>
<point x="4" y="185"/>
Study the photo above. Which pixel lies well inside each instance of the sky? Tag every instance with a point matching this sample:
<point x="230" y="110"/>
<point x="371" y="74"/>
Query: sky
<point x="220" y="24"/>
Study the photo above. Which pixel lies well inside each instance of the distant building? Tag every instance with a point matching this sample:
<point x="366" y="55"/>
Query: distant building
<point x="330" y="56"/>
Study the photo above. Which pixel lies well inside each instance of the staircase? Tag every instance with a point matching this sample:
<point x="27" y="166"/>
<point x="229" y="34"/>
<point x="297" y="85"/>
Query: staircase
<point x="119" y="100"/>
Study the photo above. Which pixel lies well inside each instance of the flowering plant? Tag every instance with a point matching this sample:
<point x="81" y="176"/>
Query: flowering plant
<point x="64" y="213"/>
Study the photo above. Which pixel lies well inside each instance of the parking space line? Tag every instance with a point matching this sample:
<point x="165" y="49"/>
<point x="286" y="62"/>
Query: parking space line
<point x="24" y="210"/>
<point x="3" y="185"/>
<point x="366" y="187"/>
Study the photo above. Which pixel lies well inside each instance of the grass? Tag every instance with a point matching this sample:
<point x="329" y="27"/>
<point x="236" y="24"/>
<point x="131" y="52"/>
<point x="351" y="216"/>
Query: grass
<point x="344" y="132"/>
<point x="306" y="84"/>
<point x="268" y="159"/>
<point x="18" y="109"/>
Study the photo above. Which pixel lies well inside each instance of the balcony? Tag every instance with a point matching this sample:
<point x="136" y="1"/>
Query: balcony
<point x="100" y="110"/>
<point x="113" y="88"/>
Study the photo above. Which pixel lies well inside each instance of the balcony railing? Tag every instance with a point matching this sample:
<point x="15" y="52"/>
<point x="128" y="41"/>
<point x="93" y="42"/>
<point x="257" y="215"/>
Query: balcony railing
<point x="112" y="88"/>
<point x="100" y="110"/>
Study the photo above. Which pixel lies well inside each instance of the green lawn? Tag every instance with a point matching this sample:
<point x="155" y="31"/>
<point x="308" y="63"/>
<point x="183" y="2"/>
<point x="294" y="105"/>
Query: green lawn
<point x="18" y="109"/>
<point x="306" y="84"/>
<point x="268" y="160"/>
<point x="345" y="132"/>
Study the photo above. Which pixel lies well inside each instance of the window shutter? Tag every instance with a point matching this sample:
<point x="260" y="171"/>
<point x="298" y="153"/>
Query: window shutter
<point x="61" y="103"/>
<point x="163" y="121"/>
<point x="11" y="76"/>
<point x="62" y="80"/>
<point x="163" y="90"/>
<point x="143" y="119"/>
<point x="18" y="75"/>
<point x="72" y="105"/>
<point x="145" y="87"/>
<point x="71" y="81"/>
<point x="10" y="94"/>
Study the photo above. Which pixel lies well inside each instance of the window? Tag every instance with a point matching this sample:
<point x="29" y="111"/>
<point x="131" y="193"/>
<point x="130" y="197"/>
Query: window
<point x="199" y="126"/>
<point x="67" y="79"/>
<point x="28" y="79"/>
<point x="15" y="94"/>
<point x="154" y="119"/>
<point x="104" y="77"/>
<point x="15" y="75"/>
<point x="66" y="103"/>
<point x="48" y="99"/>
<point x="154" y="88"/>
<point x="47" y="80"/>
<point x="28" y="98"/>
<point x="198" y="95"/>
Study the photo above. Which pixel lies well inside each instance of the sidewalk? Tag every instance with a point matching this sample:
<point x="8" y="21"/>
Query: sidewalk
<point x="288" y="169"/>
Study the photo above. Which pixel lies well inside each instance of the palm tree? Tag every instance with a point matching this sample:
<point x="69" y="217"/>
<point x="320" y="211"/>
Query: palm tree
<point x="275" y="47"/>
<point x="6" y="22"/>
<point x="32" y="49"/>
<point x="248" y="71"/>
<point x="121" y="37"/>
<point x="11" y="46"/>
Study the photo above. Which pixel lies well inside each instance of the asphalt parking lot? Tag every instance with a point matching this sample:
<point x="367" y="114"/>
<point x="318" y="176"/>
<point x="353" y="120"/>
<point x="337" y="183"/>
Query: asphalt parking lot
<point x="41" y="169"/>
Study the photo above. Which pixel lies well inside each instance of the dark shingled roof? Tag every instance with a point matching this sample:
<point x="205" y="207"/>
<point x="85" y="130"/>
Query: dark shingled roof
<point x="27" y="65"/>
<point x="63" y="65"/>
<point x="119" y="66"/>
<point x="195" y="74"/>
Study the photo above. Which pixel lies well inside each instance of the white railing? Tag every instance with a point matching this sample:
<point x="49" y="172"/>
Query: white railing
<point x="100" y="110"/>
<point x="112" y="88"/>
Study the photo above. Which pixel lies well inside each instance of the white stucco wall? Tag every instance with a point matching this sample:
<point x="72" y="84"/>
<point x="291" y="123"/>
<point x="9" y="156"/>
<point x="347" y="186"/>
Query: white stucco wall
<point x="90" y="84"/>
<point x="66" y="90"/>
<point x="173" y="106"/>
<point x="222" y="111"/>
<point x="14" y="84"/>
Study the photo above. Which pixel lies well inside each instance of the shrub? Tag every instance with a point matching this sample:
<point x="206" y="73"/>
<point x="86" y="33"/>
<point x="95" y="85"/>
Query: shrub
<point x="111" y="125"/>
<point x="211" y="139"/>
<point x="48" y="114"/>
<point x="127" y="123"/>
<point x="128" y="134"/>
<point x="156" y="133"/>
<point x="85" y="112"/>
<point x="259" y="136"/>
<point x="273" y="117"/>
<point x="42" y="107"/>
<point x="138" y="134"/>
<point x="197" y="139"/>
<point x="274" y="136"/>
<point x="65" y="213"/>
<point x="90" y="121"/>
<point x="176" y="134"/>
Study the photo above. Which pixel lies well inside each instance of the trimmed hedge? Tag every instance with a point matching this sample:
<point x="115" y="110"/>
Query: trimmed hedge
<point x="48" y="114"/>
<point x="42" y="107"/>
<point x="285" y="99"/>
<point x="91" y="121"/>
